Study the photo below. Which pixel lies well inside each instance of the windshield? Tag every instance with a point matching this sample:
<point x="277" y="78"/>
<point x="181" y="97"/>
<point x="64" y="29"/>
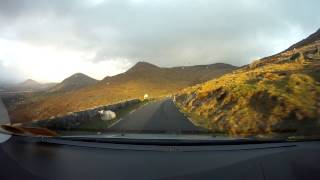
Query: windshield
<point x="160" y="69"/>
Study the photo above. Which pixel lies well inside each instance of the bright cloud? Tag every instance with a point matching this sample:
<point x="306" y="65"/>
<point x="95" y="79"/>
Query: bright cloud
<point x="48" y="40"/>
<point x="52" y="64"/>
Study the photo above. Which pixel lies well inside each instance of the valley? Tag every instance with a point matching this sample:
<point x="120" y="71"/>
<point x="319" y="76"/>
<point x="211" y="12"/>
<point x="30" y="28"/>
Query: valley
<point x="273" y="95"/>
<point x="143" y="78"/>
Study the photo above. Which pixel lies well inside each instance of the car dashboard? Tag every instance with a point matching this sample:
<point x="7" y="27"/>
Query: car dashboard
<point x="45" y="158"/>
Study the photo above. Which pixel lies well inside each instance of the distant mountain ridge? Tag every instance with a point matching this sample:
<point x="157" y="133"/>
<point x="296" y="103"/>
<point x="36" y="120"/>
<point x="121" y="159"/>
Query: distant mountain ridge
<point x="187" y="74"/>
<point x="142" y="78"/>
<point x="142" y="66"/>
<point x="28" y="85"/>
<point x="74" y="82"/>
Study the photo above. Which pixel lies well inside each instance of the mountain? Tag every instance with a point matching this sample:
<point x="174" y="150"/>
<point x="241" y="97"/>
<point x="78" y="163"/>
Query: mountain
<point x="275" y="95"/>
<point x="143" y="66"/>
<point x="147" y="74"/>
<point x="74" y="82"/>
<point x="142" y="78"/>
<point x="28" y="85"/>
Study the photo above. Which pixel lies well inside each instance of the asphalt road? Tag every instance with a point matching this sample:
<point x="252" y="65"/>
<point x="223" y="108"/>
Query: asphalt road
<point x="156" y="117"/>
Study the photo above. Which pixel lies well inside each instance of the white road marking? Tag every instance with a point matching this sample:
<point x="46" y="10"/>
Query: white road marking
<point x="115" y="123"/>
<point x="129" y="113"/>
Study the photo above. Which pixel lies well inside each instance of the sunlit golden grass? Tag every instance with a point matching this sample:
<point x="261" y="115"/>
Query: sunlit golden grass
<point x="279" y="96"/>
<point x="57" y="105"/>
<point x="155" y="82"/>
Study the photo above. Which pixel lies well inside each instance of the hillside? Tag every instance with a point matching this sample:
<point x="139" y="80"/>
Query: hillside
<point x="277" y="94"/>
<point x="74" y="82"/>
<point x="310" y="39"/>
<point x="142" y="78"/>
<point x="29" y="85"/>
<point x="168" y="80"/>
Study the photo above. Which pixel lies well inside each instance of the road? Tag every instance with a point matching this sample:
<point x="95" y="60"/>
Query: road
<point x="156" y="117"/>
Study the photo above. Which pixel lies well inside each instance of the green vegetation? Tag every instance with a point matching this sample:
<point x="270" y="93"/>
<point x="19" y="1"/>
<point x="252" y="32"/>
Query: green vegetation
<point x="274" y="95"/>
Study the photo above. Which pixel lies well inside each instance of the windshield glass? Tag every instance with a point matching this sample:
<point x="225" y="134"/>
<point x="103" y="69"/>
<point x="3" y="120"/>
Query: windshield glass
<point x="161" y="69"/>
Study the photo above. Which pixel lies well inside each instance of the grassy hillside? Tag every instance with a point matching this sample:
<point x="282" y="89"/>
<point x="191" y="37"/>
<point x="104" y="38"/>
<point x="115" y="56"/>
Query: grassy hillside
<point x="280" y="93"/>
<point x="74" y="82"/>
<point x="310" y="39"/>
<point x="143" y="78"/>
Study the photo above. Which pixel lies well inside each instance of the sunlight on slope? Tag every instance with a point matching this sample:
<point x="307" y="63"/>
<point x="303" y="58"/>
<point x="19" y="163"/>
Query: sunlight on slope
<point x="276" y="94"/>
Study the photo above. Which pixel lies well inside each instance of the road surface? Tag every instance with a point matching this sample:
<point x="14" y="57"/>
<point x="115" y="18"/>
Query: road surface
<point x="156" y="117"/>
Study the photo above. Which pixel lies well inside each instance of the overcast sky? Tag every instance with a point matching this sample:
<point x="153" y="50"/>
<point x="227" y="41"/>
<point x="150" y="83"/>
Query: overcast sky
<point x="48" y="40"/>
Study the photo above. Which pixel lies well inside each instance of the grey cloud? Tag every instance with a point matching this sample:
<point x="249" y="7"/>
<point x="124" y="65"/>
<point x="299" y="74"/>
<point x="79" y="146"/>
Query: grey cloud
<point x="163" y="32"/>
<point x="16" y="8"/>
<point x="9" y="74"/>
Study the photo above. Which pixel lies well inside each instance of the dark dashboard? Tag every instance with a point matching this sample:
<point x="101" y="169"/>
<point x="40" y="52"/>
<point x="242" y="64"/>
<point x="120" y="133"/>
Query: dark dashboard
<point x="36" y="158"/>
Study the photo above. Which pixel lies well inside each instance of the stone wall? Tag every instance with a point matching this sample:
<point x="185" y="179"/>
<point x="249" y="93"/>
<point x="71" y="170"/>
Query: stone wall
<point x="74" y="120"/>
